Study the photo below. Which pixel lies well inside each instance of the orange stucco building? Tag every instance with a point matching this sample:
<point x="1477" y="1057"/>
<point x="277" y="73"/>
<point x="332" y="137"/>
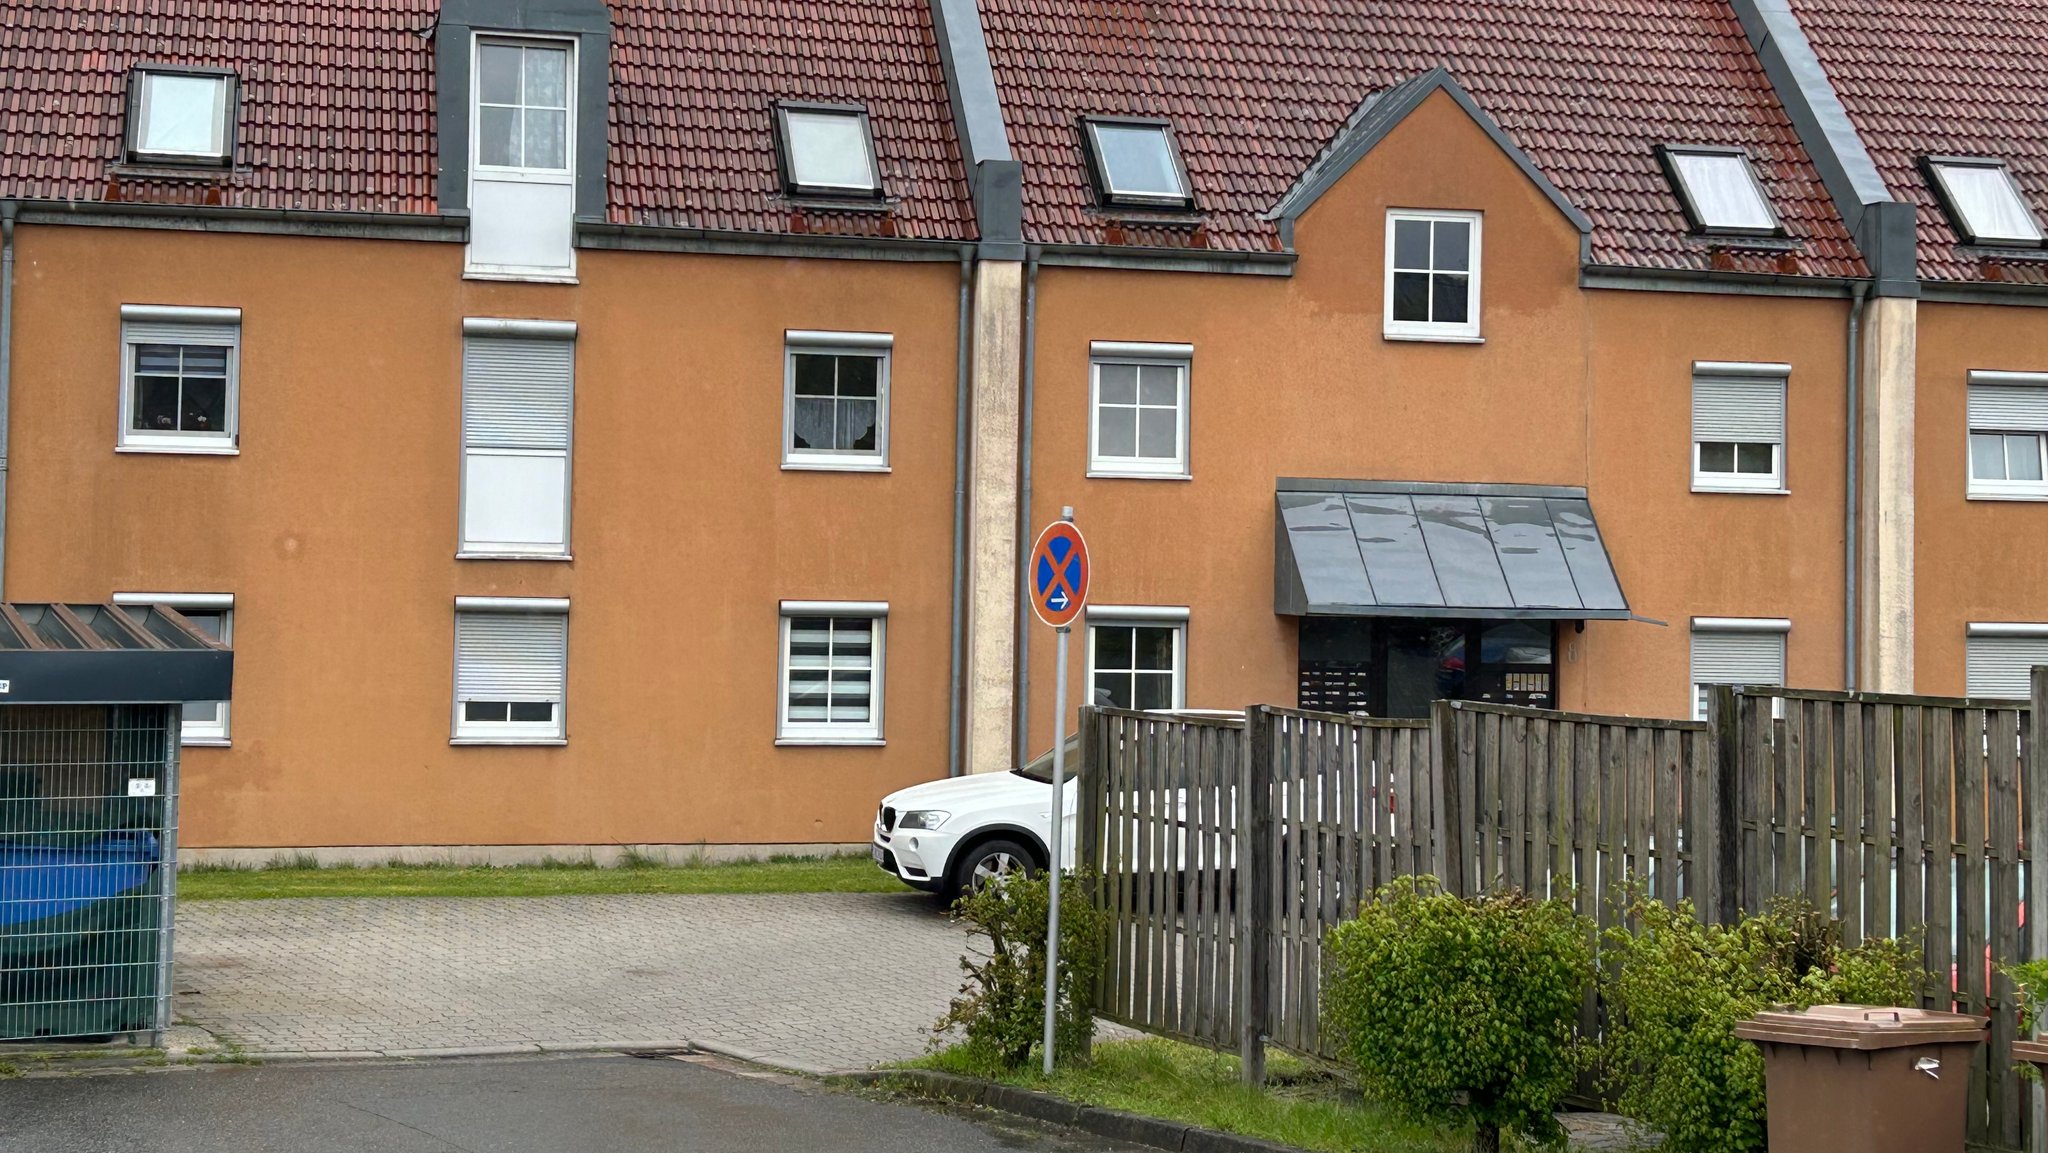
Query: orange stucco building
<point x="582" y="447"/>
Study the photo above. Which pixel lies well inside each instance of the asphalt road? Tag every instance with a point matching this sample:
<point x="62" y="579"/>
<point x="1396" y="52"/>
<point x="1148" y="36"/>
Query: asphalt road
<point x="568" y="1104"/>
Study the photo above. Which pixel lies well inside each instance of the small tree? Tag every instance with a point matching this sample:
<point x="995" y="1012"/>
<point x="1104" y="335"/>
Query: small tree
<point x="1447" y="1006"/>
<point x="1001" y="1007"/>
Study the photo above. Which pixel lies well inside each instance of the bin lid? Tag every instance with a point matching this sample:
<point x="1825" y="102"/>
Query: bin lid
<point x="1863" y="1027"/>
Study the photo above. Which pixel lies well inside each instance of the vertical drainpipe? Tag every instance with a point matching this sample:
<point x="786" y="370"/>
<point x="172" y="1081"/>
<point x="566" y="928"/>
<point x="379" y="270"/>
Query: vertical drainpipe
<point x="1849" y="513"/>
<point x="1025" y="529"/>
<point x="960" y="432"/>
<point x="7" y="213"/>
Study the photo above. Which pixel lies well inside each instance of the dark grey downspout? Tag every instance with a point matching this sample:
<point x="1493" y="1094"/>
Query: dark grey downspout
<point x="1849" y="475"/>
<point x="1025" y="529"/>
<point x="960" y="433"/>
<point x="7" y="212"/>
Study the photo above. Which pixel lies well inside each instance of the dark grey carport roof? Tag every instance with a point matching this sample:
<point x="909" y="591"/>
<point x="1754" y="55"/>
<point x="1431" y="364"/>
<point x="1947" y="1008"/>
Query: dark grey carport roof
<point x="1408" y="549"/>
<point x="108" y="654"/>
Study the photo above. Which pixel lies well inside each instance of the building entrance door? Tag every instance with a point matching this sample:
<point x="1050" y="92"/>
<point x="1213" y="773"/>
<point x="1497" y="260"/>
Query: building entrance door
<point x="1395" y="666"/>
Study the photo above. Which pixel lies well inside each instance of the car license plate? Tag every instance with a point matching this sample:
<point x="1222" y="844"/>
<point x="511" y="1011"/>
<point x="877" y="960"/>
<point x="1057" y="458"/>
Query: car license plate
<point x="878" y="853"/>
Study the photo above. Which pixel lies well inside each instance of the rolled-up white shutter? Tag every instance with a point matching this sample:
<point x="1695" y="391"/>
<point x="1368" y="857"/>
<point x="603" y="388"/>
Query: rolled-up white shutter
<point x="2009" y="408"/>
<point x="517" y="400"/>
<point x="2002" y="666"/>
<point x="1738" y="658"/>
<point x="511" y="656"/>
<point x="1746" y="409"/>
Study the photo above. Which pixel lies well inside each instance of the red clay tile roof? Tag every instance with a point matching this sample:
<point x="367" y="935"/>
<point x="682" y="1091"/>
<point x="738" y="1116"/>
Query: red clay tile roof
<point x="692" y="129"/>
<point x="336" y="99"/>
<point x="1937" y="77"/>
<point x="1256" y="89"/>
<point x="337" y="105"/>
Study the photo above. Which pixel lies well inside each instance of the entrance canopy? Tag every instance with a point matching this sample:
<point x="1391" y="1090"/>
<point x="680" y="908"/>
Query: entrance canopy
<point x="1413" y="549"/>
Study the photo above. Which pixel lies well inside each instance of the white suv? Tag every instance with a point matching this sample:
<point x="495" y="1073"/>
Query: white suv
<point x="947" y="836"/>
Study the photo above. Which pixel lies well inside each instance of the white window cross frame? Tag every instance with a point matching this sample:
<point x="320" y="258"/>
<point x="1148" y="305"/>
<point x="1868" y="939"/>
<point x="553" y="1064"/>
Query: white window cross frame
<point x="541" y="174"/>
<point x="182" y="327"/>
<point x="1168" y="617"/>
<point x="875" y="614"/>
<point x="1465" y="331"/>
<point x="804" y="342"/>
<point x="1178" y="358"/>
<point x="205" y="723"/>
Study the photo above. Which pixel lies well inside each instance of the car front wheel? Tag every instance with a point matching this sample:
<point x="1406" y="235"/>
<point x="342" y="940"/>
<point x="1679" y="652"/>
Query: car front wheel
<point x="989" y="863"/>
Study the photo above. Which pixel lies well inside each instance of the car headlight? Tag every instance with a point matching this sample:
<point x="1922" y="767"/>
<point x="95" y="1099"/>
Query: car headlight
<point x="922" y="819"/>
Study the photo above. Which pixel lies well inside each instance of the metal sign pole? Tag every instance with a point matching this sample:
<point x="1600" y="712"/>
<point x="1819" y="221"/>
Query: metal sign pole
<point x="1059" y="821"/>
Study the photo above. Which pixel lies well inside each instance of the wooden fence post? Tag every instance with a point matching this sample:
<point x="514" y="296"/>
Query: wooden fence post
<point x="2035" y="792"/>
<point x="1090" y="796"/>
<point x="1447" y="788"/>
<point x="1725" y="725"/>
<point x="1256" y="860"/>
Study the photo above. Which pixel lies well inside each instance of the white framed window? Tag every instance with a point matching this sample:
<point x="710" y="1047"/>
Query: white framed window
<point x="1137" y="656"/>
<point x="205" y="722"/>
<point x="1136" y="163"/>
<point x="829" y="691"/>
<point x="1743" y="651"/>
<point x="518" y="400"/>
<point x="1138" y="409"/>
<point x="1719" y="190"/>
<point x="522" y="172"/>
<point x="2001" y="656"/>
<point x="1983" y="201"/>
<point x="180" y="115"/>
<point x="835" y="400"/>
<point x="1738" y="426"/>
<point x="1432" y="275"/>
<point x="180" y="379"/>
<point x="2008" y="435"/>
<point x="826" y="150"/>
<point x="511" y="670"/>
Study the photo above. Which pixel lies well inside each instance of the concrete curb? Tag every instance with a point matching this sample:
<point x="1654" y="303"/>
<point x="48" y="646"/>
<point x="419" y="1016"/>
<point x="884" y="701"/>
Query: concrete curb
<point x="1114" y="1124"/>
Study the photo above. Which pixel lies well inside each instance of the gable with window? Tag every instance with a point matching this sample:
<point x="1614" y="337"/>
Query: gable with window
<point x="2008" y="435"/>
<point x="1719" y="191"/>
<point x="1137" y="657"/>
<point x="1982" y="201"/>
<point x="1135" y="163"/>
<point x="181" y="115"/>
<point x="1138" y="409"/>
<point x="511" y="670"/>
<point x="2001" y="656"/>
<point x="518" y="386"/>
<point x="826" y="150"/>
<point x="836" y="400"/>
<point x="180" y="378"/>
<point x="1432" y="276"/>
<point x="523" y="149"/>
<point x="1738" y="426"/>
<point x="205" y="722"/>
<point x="1747" y="652"/>
<point x="830" y="688"/>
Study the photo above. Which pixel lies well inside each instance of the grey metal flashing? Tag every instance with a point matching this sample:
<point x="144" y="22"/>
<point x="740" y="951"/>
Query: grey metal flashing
<point x="1377" y="116"/>
<point x="1881" y="225"/>
<point x="651" y="238"/>
<point x="1429" y="488"/>
<point x="443" y="228"/>
<point x="998" y="190"/>
<point x="588" y="22"/>
<point x="1625" y="278"/>
<point x="1167" y="259"/>
<point x="970" y="82"/>
<point x="1988" y="292"/>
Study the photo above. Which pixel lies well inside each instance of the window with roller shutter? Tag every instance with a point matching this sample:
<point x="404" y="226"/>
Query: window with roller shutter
<point x="1744" y="651"/>
<point x="180" y="379"/>
<point x="2000" y="658"/>
<point x="2008" y="435"/>
<point x="1738" y="426"/>
<point x="518" y="387"/>
<point x="511" y="669"/>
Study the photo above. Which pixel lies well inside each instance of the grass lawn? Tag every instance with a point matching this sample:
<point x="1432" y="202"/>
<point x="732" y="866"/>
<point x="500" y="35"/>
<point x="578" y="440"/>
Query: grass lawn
<point x="1300" y="1105"/>
<point x="848" y="874"/>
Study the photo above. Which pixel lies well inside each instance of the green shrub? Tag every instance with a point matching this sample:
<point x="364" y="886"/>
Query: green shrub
<point x="1675" y="990"/>
<point x="1447" y="1007"/>
<point x="1000" y="1011"/>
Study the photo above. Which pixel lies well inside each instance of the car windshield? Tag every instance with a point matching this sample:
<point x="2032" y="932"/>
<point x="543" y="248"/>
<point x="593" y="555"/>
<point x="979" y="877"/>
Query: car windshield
<point x="1040" y="768"/>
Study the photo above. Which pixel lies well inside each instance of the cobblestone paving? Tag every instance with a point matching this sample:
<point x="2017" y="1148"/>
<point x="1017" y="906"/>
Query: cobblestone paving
<point x="823" y="981"/>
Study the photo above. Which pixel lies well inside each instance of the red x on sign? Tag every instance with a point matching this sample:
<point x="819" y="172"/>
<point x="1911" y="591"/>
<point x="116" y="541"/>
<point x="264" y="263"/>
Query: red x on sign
<point x="1059" y="574"/>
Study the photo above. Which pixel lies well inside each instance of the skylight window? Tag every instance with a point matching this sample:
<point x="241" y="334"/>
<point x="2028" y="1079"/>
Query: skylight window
<point x="1983" y="202"/>
<point x="1136" y="164"/>
<point x="1719" y="190"/>
<point x="180" y="115"/>
<point x="827" y="150"/>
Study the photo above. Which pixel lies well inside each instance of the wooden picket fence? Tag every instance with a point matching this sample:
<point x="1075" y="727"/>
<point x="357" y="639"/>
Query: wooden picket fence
<point x="1227" y="849"/>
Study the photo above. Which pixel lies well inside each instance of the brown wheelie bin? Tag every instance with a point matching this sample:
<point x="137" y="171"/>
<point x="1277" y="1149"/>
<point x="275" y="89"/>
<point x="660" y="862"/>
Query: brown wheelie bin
<point x="1853" y="1077"/>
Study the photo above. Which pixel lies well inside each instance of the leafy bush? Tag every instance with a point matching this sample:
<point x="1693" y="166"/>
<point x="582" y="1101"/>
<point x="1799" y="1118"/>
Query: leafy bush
<point x="1001" y="1007"/>
<point x="1448" y="1007"/>
<point x="1675" y="990"/>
